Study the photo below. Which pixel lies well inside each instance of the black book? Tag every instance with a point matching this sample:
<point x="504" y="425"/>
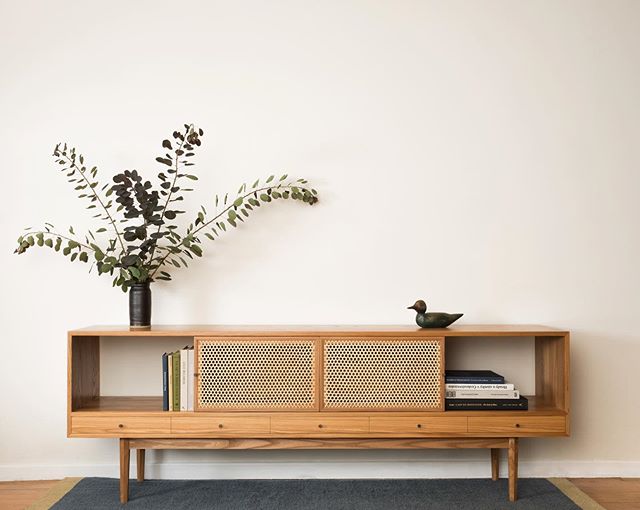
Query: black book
<point x="472" y="377"/>
<point x="486" y="404"/>
<point x="165" y="383"/>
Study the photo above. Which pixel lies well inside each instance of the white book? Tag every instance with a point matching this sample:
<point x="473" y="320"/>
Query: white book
<point x="495" y="394"/>
<point x="462" y="386"/>
<point x="184" y="363"/>
<point x="190" y="379"/>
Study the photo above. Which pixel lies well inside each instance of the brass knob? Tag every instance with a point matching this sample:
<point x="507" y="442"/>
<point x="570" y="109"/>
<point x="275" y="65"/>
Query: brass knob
<point x="320" y="425"/>
<point x="120" y="425"/>
<point x="419" y="425"/>
<point x="517" y="425"/>
<point x="219" y="425"/>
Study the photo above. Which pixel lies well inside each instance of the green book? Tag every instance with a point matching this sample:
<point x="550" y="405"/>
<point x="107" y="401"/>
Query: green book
<point x="176" y="381"/>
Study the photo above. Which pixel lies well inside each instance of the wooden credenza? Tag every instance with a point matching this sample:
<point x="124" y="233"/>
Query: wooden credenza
<point x="341" y="387"/>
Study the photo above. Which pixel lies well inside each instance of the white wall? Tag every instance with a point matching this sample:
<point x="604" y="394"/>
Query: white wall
<point x="483" y="155"/>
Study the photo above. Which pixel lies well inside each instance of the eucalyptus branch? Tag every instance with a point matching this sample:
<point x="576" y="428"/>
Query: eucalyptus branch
<point x="191" y="234"/>
<point x="36" y="233"/>
<point x="151" y="240"/>
<point x="97" y="197"/>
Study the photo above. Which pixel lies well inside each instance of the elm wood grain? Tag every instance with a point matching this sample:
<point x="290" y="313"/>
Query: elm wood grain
<point x="319" y="425"/>
<point x="120" y="426"/>
<point x="552" y="370"/>
<point x="495" y="463"/>
<point x="517" y="425"/>
<point x="140" y="464"/>
<point x="418" y="425"/>
<point x="513" y="468"/>
<point x="145" y="405"/>
<point x="124" y="470"/>
<point x="316" y="444"/>
<point x="236" y="425"/>
<point x="470" y="330"/>
<point x="83" y="370"/>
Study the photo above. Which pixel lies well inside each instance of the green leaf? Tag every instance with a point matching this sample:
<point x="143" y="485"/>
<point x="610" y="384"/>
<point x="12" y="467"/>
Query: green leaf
<point x="73" y="244"/>
<point x="30" y="240"/>
<point x="237" y="202"/>
<point x="135" y="272"/>
<point x="84" y="257"/>
<point x="49" y="243"/>
<point x="164" y="161"/>
<point x="232" y="215"/>
<point x="270" y="178"/>
<point x="167" y="144"/>
<point x="196" y="249"/>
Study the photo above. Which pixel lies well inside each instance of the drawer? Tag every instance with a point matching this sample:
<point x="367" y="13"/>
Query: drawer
<point x="216" y="426"/>
<point x="114" y="426"/>
<point x="517" y="424"/>
<point x="319" y="425"/>
<point x="419" y="425"/>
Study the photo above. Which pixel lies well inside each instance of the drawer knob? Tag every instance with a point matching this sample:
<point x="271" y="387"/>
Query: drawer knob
<point x="219" y="425"/>
<point x="517" y="425"/>
<point x="320" y="425"/>
<point x="419" y="425"/>
<point x="120" y="425"/>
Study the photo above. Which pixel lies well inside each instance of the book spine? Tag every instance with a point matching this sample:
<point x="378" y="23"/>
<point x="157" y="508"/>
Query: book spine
<point x="457" y="387"/>
<point x="498" y="394"/>
<point x="191" y="381"/>
<point x="184" y="361"/>
<point x="165" y="383"/>
<point x="520" y="404"/>
<point x="176" y="381"/>
<point x="170" y="385"/>
<point x="452" y="379"/>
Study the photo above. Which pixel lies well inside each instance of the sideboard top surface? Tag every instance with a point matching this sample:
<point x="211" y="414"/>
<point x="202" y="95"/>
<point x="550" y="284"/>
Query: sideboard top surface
<point x="466" y="330"/>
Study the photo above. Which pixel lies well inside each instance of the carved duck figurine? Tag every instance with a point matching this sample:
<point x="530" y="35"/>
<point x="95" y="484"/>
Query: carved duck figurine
<point x="432" y="319"/>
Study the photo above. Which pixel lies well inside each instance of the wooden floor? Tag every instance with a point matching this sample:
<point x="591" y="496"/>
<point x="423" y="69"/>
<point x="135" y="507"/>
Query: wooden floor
<point x="19" y="495"/>
<point x="611" y="493"/>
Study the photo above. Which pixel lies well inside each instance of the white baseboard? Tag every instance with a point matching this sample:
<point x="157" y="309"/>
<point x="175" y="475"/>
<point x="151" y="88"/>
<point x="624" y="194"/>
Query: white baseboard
<point x="280" y="470"/>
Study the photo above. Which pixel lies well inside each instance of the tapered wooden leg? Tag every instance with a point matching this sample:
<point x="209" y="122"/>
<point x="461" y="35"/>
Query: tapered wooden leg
<point x="124" y="470"/>
<point x="513" y="468"/>
<point x="495" y="463"/>
<point x="140" y="464"/>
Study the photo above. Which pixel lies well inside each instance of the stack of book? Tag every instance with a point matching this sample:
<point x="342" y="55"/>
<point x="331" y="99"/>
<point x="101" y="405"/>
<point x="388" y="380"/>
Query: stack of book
<point x="177" y="380"/>
<point x="481" y="390"/>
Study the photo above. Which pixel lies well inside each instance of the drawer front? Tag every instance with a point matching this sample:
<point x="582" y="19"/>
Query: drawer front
<point x="256" y="374"/>
<point x="304" y="425"/>
<point x="390" y="374"/>
<point x="418" y="425"/>
<point x="114" y="426"/>
<point x="517" y="425"/>
<point x="220" y="426"/>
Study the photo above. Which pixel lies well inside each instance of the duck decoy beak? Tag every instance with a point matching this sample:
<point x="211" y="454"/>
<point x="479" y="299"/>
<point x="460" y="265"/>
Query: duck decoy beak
<point x="412" y="307"/>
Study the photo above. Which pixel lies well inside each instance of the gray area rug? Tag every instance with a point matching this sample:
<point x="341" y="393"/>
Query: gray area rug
<point x="447" y="494"/>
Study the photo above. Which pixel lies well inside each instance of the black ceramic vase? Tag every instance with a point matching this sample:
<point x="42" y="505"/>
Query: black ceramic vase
<point x="140" y="305"/>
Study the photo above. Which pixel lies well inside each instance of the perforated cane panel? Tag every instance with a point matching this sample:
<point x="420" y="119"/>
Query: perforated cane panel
<point x="383" y="374"/>
<point x="252" y="374"/>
